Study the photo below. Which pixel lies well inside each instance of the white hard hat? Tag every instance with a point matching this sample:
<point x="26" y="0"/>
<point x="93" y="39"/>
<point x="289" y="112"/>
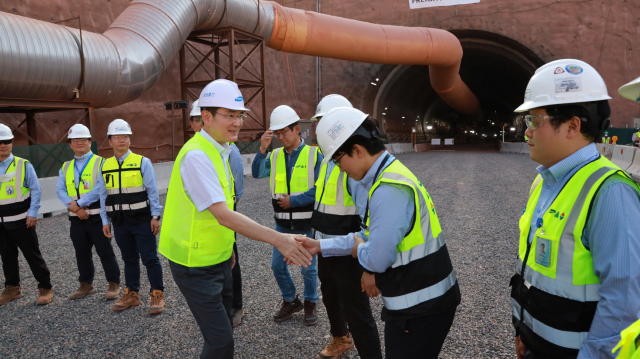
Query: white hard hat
<point x="222" y="93"/>
<point x="119" y="127"/>
<point x="631" y="90"/>
<point x="195" y="109"/>
<point x="564" y="82"/>
<point x="336" y="127"/>
<point x="78" y="131"/>
<point x="282" y="117"/>
<point x="5" y="132"/>
<point x="328" y="103"/>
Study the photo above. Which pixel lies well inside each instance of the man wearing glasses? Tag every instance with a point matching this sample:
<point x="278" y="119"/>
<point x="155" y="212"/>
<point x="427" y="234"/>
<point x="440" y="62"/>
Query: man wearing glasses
<point x="19" y="204"/>
<point x="198" y="231"/>
<point x="81" y="190"/>
<point x="572" y="300"/>
<point x="133" y="205"/>
<point x="293" y="170"/>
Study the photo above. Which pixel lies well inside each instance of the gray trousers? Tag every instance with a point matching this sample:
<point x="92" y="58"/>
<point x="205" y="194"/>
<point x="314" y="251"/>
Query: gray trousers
<point x="209" y="294"/>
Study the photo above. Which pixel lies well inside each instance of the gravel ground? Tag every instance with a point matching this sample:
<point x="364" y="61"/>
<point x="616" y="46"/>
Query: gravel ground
<point x="479" y="197"/>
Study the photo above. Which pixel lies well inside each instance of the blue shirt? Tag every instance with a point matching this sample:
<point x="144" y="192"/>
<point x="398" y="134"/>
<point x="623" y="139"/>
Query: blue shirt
<point x="237" y="169"/>
<point x="30" y="182"/>
<point x="391" y="212"/>
<point x="612" y="234"/>
<point x="99" y="191"/>
<point x="300" y="200"/>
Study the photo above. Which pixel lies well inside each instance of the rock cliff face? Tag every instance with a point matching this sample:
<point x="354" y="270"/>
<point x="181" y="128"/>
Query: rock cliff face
<point x="504" y="41"/>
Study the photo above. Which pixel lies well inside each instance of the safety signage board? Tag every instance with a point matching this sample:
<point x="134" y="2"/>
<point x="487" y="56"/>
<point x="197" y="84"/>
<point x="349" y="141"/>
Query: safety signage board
<point x="418" y="4"/>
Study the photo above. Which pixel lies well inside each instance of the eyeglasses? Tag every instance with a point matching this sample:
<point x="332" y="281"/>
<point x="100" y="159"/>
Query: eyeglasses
<point x="229" y="117"/>
<point x="120" y="137"/>
<point x="282" y="132"/>
<point x="336" y="161"/>
<point x="535" y="121"/>
<point x="5" y="142"/>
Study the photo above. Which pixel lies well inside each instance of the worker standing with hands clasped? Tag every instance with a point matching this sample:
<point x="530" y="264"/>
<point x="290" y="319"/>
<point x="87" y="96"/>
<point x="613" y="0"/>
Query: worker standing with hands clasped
<point x="293" y="171"/>
<point x="81" y="190"/>
<point x="19" y="204"/>
<point x="198" y="230"/>
<point x="134" y="207"/>
<point x="571" y="299"/>
<point x="401" y="242"/>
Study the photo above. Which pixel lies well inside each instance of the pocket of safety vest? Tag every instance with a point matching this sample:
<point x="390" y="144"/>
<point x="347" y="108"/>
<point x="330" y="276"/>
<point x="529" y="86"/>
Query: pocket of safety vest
<point x="281" y="183"/>
<point x="211" y="238"/>
<point x="544" y="254"/>
<point x="129" y="179"/>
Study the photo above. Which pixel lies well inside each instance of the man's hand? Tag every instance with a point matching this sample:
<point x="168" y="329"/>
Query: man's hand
<point x="31" y="221"/>
<point x="82" y="214"/>
<point x="73" y="206"/>
<point x="106" y="230"/>
<point x="354" y="250"/>
<point x="233" y="259"/>
<point x="155" y="226"/>
<point x="293" y="251"/>
<point x="312" y="245"/>
<point x="520" y="348"/>
<point x="368" y="283"/>
<point x="265" y="141"/>
<point x="284" y="202"/>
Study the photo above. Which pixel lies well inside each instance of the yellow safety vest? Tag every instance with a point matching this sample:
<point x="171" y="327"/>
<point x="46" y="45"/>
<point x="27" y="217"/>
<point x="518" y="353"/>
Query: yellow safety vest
<point x="15" y="198"/>
<point x="126" y="194"/>
<point x="334" y="212"/>
<point x="629" y="342"/>
<point x="87" y="181"/>
<point x="555" y="289"/>
<point x="189" y="237"/>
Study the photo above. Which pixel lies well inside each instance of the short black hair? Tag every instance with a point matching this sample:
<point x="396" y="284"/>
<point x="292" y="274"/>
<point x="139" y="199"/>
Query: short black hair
<point x="367" y="136"/>
<point x="594" y="116"/>
<point x="213" y="110"/>
<point x="291" y="126"/>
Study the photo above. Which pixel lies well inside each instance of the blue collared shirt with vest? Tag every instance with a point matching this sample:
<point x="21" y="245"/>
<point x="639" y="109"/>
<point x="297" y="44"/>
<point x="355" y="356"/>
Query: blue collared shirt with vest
<point x="237" y="168"/>
<point x="30" y="182"/>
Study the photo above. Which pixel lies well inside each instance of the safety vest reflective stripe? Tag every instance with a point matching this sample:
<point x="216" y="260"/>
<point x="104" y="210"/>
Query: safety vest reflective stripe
<point x="14" y="197"/>
<point x="422" y="295"/>
<point x="15" y="218"/>
<point x="294" y="215"/>
<point x="126" y="207"/>
<point x="571" y="340"/>
<point x="21" y="193"/>
<point x="14" y="200"/>
<point x="126" y="190"/>
<point x="432" y="245"/>
<point x="90" y="212"/>
<point x="338" y="208"/>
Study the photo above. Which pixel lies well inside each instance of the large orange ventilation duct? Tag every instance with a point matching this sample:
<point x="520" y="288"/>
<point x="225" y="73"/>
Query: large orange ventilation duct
<point x="41" y="60"/>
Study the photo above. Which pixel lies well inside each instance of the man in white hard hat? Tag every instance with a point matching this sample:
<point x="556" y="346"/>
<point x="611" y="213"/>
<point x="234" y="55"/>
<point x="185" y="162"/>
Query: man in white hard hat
<point x="81" y="190"/>
<point x="198" y="230"/>
<point x="341" y="277"/>
<point x="583" y="210"/>
<point x="19" y="204"/>
<point x="237" y="169"/>
<point x="133" y="206"/>
<point x="403" y="244"/>
<point x="293" y="170"/>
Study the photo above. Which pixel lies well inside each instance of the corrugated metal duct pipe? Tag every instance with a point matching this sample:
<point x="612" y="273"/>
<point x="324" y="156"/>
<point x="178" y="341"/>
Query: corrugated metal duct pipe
<point x="40" y="60"/>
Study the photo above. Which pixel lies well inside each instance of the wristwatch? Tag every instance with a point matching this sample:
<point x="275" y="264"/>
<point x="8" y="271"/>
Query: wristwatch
<point x="155" y="217"/>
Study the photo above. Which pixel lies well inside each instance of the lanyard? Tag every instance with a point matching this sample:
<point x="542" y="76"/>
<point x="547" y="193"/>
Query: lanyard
<point x="75" y="164"/>
<point x="366" y="213"/>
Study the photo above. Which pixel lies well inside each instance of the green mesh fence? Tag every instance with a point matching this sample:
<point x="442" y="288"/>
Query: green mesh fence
<point x="47" y="159"/>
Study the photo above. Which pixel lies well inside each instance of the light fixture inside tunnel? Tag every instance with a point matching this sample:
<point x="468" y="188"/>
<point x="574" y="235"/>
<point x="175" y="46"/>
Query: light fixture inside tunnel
<point x="374" y="84"/>
<point x="512" y="128"/>
<point x="429" y="127"/>
<point x="384" y="114"/>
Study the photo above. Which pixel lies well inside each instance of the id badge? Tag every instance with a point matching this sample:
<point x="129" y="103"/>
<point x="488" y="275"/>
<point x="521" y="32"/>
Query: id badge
<point x="87" y="184"/>
<point x="9" y="190"/>
<point x="543" y="252"/>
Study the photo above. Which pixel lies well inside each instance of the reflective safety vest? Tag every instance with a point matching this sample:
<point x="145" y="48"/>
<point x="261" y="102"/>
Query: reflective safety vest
<point x="629" y="344"/>
<point x="554" y="292"/>
<point x="302" y="180"/>
<point x="189" y="237"/>
<point x="87" y="182"/>
<point x="422" y="279"/>
<point x="605" y="139"/>
<point x="126" y="194"/>
<point x="15" y="199"/>
<point x="334" y="212"/>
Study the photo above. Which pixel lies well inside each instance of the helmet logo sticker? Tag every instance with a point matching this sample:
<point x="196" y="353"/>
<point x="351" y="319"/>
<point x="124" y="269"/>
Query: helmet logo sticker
<point x="239" y="98"/>
<point x="70" y="131"/>
<point x="558" y="70"/>
<point x="336" y="130"/>
<point x="568" y="85"/>
<point x="208" y="94"/>
<point x="527" y="94"/>
<point x="121" y="128"/>
<point x="4" y="133"/>
<point x="574" y="69"/>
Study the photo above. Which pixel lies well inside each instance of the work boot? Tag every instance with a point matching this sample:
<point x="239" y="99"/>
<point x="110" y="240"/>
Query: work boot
<point x="287" y="309"/>
<point x="129" y="299"/>
<point x="238" y="314"/>
<point x="310" y="317"/>
<point x="84" y="290"/>
<point x="45" y="296"/>
<point x="157" y="302"/>
<point x="10" y="293"/>
<point x="113" y="292"/>
<point x="337" y="347"/>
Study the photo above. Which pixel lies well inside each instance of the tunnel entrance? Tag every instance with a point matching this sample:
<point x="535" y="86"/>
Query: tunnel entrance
<point x="497" y="69"/>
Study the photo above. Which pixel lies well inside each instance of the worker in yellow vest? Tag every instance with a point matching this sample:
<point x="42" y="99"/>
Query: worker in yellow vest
<point x="400" y="243"/>
<point x="133" y="205"/>
<point x="292" y="170"/>
<point x="80" y="189"/>
<point x="19" y="204"/>
<point x="198" y="230"/>
<point x="579" y="248"/>
<point x="351" y="322"/>
<point x="605" y="138"/>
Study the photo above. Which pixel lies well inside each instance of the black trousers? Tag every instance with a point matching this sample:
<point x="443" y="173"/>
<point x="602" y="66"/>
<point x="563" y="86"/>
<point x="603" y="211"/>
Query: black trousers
<point x="347" y="305"/>
<point x="27" y="240"/>
<point x="85" y="235"/>
<point x="417" y="338"/>
<point x="208" y="291"/>
<point x="237" y="280"/>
